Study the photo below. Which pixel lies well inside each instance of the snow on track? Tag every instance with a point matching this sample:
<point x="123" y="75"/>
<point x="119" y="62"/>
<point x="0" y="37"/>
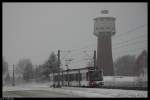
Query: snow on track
<point x="80" y="92"/>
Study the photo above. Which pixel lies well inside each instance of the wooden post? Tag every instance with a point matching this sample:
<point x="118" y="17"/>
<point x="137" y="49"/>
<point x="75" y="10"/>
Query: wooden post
<point x="13" y="76"/>
<point x="62" y="79"/>
<point x="58" y="68"/>
<point x="79" y="78"/>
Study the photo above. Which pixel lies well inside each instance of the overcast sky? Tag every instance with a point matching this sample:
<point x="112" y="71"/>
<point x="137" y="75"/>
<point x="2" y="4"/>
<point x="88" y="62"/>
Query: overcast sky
<point x="34" y="30"/>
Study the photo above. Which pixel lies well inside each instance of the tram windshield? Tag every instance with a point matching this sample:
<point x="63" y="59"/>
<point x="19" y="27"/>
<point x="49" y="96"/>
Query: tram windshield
<point x="95" y="75"/>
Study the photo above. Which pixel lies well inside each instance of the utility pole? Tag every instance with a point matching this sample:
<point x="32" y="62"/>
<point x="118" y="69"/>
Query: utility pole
<point x="68" y="75"/>
<point x="13" y="76"/>
<point x="94" y="58"/>
<point x="58" y="68"/>
<point x="67" y="66"/>
<point x="79" y="78"/>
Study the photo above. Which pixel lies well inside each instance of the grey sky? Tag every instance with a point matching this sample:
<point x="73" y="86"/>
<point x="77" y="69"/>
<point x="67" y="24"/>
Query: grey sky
<point x="34" y="30"/>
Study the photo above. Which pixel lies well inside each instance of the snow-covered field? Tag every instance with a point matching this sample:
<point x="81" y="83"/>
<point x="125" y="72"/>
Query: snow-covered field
<point x="124" y="81"/>
<point x="75" y="92"/>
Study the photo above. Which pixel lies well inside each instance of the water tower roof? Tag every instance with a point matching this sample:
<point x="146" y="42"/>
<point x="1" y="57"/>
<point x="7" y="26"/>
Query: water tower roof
<point x="106" y="17"/>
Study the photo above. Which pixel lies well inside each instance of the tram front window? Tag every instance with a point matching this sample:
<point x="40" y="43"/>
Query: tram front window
<point x="95" y="76"/>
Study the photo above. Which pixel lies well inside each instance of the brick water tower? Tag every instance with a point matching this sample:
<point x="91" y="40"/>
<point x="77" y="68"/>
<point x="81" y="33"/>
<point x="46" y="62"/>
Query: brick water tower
<point x="104" y="28"/>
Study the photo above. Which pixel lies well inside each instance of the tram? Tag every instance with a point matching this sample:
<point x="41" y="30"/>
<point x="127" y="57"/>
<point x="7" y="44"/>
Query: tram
<point x="82" y="77"/>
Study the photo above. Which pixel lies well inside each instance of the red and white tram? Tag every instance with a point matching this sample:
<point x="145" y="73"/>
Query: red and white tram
<point x="83" y="77"/>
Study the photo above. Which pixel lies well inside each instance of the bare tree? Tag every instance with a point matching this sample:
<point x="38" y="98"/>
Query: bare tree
<point x="25" y="68"/>
<point x="6" y="76"/>
<point x="125" y="65"/>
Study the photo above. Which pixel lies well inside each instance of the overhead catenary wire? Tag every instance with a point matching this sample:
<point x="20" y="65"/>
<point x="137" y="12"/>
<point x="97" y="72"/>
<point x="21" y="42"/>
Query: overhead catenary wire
<point x="131" y="50"/>
<point x="83" y="59"/>
<point x="127" y="32"/>
<point x="124" y="51"/>
<point x="132" y="39"/>
<point x="132" y="30"/>
<point x="135" y="42"/>
<point x="121" y="44"/>
<point x="127" y="41"/>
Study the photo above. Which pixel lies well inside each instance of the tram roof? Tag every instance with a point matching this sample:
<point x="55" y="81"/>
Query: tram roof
<point x="75" y="69"/>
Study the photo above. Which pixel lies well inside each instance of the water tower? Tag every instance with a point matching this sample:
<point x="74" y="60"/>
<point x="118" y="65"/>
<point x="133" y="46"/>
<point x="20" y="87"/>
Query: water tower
<point x="104" y="28"/>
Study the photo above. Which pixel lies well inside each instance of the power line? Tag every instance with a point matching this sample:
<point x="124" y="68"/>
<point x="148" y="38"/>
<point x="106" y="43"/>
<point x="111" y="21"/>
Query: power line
<point x="116" y="36"/>
<point x="120" y="42"/>
<point x="130" y="43"/>
<point x="79" y="64"/>
<point x="131" y="50"/>
<point x="132" y="30"/>
<point x="84" y="52"/>
<point x="130" y="39"/>
<point x="113" y="48"/>
<point x="67" y="51"/>
<point x="138" y="27"/>
<point x="81" y="48"/>
<point x="117" y="47"/>
<point x="124" y="51"/>
<point x="79" y="60"/>
<point x="76" y="54"/>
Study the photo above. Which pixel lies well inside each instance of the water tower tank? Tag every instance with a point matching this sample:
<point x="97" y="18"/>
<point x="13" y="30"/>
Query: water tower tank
<point x="104" y="26"/>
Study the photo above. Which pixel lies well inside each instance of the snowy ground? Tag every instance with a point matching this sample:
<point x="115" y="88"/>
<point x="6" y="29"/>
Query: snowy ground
<point x="43" y="90"/>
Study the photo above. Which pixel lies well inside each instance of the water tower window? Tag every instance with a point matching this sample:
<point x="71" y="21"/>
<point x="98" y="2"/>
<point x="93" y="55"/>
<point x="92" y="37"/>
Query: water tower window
<point x="109" y="19"/>
<point x="101" y="27"/>
<point x="107" y="27"/>
<point x="102" y="19"/>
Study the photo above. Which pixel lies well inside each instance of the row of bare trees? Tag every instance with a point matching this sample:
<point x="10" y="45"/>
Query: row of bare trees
<point x="130" y="65"/>
<point x="6" y="75"/>
<point x="25" y="71"/>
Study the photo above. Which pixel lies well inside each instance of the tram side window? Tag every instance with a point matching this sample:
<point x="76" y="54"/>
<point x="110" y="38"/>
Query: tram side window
<point x="62" y="76"/>
<point x="55" y="78"/>
<point x="80" y="78"/>
<point x="70" y="77"/>
<point x="76" y="78"/>
<point x="59" y="77"/>
<point x="87" y="76"/>
<point x="50" y="78"/>
<point x="84" y="76"/>
<point x="65" y="77"/>
<point x="73" y="77"/>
